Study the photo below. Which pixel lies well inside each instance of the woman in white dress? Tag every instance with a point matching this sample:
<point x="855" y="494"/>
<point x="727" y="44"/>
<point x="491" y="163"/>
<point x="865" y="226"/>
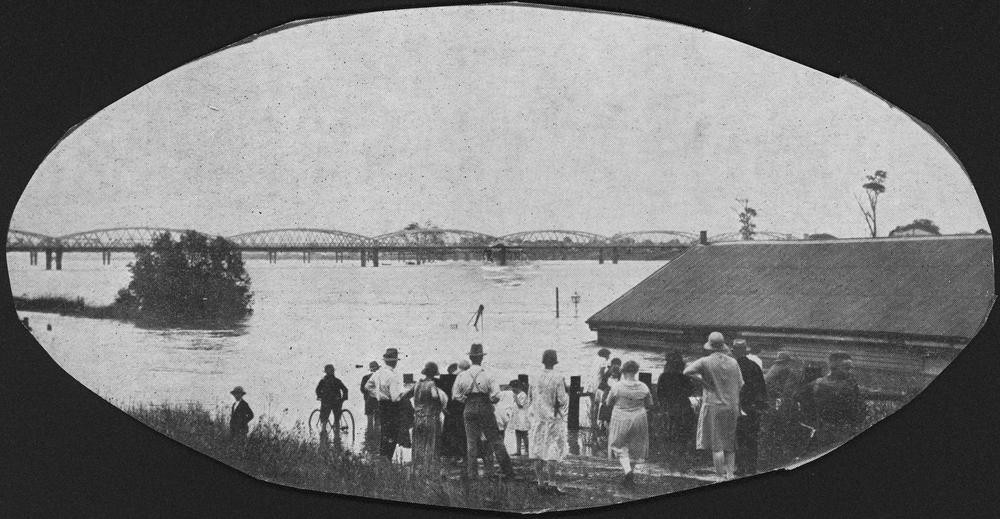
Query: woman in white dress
<point x="547" y="436"/>
<point x="628" y="432"/>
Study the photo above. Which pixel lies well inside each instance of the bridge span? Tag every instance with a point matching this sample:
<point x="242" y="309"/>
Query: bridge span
<point x="408" y="245"/>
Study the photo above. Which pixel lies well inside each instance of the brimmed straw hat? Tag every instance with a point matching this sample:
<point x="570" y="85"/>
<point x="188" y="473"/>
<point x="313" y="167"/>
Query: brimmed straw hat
<point x="391" y="354"/>
<point x="476" y="350"/>
<point x="238" y="390"/>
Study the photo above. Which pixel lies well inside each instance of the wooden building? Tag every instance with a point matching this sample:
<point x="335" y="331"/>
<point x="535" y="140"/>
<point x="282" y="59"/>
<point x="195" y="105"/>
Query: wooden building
<point x="902" y="304"/>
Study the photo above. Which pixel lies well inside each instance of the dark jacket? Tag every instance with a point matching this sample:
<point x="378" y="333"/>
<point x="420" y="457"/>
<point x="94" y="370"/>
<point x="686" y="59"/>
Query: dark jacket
<point x="239" y="418"/>
<point x="783" y="379"/>
<point x="838" y="401"/>
<point x="753" y="395"/>
<point x="331" y="389"/>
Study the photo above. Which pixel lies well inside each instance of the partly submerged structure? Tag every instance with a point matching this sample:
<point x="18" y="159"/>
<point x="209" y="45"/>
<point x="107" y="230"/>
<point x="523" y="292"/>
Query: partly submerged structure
<point x="901" y="304"/>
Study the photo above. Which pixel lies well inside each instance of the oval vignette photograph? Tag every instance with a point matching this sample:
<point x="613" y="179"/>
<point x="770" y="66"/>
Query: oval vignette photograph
<point x="502" y="257"/>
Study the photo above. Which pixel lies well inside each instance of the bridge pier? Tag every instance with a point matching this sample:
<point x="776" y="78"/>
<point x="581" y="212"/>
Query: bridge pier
<point x="306" y="257"/>
<point x="48" y="259"/>
<point x="364" y="257"/>
<point x="375" y="257"/>
<point x="33" y="257"/>
<point x="501" y="255"/>
<point x="600" y="256"/>
<point x="59" y="255"/>
<point x="614" y="256"/>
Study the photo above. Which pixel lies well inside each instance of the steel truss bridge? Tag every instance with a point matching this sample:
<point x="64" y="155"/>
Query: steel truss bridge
<point x="410" y="245"/>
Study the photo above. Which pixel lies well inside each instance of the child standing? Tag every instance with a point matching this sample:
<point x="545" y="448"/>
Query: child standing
<point x="519" y="416"/>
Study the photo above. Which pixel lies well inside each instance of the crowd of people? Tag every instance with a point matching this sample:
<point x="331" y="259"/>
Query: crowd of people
<point x="714" y="403"/>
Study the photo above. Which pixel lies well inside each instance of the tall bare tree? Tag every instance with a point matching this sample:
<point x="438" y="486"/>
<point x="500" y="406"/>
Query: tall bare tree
<point x="874" y="186"/>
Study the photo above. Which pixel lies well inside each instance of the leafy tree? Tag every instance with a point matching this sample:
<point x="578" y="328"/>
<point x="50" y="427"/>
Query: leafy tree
<point x="874" y="186"/>
<point x="747" y="227"/>
<point x="922" y="224"/>
<point x="189" y="280"/>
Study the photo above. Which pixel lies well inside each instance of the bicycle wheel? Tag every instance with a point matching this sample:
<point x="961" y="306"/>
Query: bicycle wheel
<point x="347" y="425"/>
<point x="314" y="423"/>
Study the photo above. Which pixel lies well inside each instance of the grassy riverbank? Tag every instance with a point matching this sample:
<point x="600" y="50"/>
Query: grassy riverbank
<point x="67" y="306"/>
<point x="284" y="457"/>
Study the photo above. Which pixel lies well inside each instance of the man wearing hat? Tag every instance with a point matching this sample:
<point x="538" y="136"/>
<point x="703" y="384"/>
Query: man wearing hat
<point x="839" y="407"/>
<point x="721" y="381"/>
<point x="386" y="386"/>
<point x="753" y="402"/>
<point x="240" y="415"/>
<point x="479" y="389"/>
<point x="331" y="393"/>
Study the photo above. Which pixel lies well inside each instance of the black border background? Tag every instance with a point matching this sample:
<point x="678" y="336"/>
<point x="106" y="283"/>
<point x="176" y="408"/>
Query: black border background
<point x="67" y="452"/>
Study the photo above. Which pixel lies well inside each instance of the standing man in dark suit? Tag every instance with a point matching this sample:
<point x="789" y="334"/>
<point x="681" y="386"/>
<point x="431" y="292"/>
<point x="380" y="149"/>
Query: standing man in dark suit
<point x="240" y="415"/>
<point x="753" y="401"/>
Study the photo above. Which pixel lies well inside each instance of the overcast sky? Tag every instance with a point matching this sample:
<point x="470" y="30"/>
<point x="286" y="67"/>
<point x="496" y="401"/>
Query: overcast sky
<point x="496" y="119"/>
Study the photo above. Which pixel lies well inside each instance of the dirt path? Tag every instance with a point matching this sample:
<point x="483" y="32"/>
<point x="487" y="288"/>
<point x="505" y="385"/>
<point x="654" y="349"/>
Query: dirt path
<point x="590" y="481"/>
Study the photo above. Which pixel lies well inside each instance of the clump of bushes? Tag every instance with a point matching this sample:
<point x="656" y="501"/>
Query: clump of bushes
<point x="189" y="280"/>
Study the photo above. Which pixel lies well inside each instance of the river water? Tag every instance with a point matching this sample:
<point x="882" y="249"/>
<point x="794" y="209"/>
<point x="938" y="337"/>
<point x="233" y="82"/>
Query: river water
<point x="310" y="314"/>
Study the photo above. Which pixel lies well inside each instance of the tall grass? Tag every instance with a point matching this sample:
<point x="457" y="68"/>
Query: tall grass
<point x="284" y="457"/>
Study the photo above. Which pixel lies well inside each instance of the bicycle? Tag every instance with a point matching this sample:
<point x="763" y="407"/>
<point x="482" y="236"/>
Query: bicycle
<point x="347" y="423"/>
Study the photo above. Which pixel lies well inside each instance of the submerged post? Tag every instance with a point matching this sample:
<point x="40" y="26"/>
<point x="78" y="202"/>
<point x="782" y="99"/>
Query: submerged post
<point x="573" y="417"/>
<point x="557" y="302"/>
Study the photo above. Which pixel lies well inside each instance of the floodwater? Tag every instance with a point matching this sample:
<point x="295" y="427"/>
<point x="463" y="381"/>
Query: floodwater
<point x="310" y="314"/>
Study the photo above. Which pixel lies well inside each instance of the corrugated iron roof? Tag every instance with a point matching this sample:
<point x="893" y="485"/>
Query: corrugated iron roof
<point x="929" y="287"/>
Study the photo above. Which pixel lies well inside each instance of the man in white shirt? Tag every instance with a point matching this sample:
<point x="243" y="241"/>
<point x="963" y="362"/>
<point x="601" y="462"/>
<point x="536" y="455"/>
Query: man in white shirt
<point x="479" y="389"/>
<point x="594" y="378"/>
<point x="386" y="385"/>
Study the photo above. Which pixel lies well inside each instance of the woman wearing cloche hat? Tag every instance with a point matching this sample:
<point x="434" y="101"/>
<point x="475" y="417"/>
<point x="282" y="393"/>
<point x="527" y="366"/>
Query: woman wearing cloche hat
<point x="547" y="436"/>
